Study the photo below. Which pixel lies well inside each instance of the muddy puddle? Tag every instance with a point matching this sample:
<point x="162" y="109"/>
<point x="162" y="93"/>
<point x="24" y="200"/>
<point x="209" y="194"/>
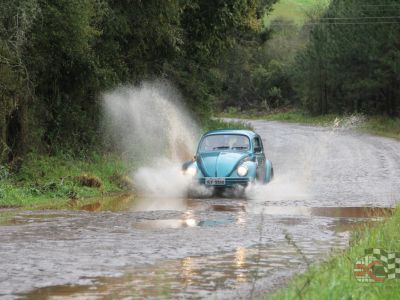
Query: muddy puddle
<point x="333" y="212"/>
<point x="209" y="248"/>
<point x="197" y="276"/>
<point x="108" y="203"/>
<point x="180" y="223"/>
<point x="189" y="206"/>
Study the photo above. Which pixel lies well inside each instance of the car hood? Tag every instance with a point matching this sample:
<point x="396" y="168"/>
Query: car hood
<point x="219" y="164"/>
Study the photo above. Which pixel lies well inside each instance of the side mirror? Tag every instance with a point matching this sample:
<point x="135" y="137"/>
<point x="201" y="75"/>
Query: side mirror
<point x="257" y="149"/>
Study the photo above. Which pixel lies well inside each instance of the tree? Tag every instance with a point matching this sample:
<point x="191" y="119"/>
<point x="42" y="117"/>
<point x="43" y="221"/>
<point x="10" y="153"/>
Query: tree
<point x="351" y="62"/>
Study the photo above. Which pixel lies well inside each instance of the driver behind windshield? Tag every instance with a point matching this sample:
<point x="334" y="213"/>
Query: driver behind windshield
<point x="239" y="143"/>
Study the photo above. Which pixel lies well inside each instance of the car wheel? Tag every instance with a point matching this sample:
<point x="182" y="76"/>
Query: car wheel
<point x="269" y="172"/>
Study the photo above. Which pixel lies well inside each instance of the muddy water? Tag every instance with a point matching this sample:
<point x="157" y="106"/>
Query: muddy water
<point x="326" y="185"/>
<point x="222" y="275"/>
<point x="213" y="247"/>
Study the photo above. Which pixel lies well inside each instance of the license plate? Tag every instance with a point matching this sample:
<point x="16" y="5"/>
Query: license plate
<point x="215" y="181"/>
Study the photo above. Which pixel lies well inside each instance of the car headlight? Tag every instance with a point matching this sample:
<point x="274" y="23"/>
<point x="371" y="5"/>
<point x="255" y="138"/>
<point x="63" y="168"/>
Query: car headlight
<point x="191" y="171"/>
<point x="242" y="170"/>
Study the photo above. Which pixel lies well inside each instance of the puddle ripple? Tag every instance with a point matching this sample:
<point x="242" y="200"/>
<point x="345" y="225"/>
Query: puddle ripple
<point x="197" y="276"/>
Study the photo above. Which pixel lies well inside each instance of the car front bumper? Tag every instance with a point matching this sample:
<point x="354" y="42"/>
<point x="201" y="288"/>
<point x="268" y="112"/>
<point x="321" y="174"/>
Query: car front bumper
<point x="229" y="182"/>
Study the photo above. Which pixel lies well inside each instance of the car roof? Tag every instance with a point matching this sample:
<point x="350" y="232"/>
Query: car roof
<point x="248" y="133"/>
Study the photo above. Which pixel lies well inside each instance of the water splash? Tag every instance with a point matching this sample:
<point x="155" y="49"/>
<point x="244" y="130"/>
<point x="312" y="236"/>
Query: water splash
<point x="163" y="179"/>
<point x="348" y="123"/>
<point x="305" y="164"/>
<point x="149" y="124"/>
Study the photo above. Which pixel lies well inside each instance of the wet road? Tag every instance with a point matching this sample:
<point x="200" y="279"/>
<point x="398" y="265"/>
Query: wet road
<point x="220" y="247"/>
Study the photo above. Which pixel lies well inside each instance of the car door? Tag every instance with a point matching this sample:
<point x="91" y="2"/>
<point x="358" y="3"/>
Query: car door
<point x="260" y="156"/>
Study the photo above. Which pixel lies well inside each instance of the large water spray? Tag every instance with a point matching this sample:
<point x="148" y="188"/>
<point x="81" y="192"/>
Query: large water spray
<point x="149" y="124"/>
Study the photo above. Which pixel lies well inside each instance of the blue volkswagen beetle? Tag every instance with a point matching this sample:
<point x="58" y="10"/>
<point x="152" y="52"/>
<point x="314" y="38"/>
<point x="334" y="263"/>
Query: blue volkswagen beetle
<point x="228" y="158"/>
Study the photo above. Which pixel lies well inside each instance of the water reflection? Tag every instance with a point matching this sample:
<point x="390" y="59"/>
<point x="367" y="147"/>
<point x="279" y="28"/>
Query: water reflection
<point x="333" y="212"/>
<point x="157" y="204"/>
<point x="240" y="259"/>
<point x="240" y="256"/>
<point x="185" y="278"/>
<point x="189" y="219"/>
<point x="241" y="218"/>
<point x="187" y="270"/>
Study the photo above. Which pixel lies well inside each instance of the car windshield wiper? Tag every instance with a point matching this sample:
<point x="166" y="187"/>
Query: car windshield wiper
<point x="240" y="148"/>
<point x="221" y="148"/>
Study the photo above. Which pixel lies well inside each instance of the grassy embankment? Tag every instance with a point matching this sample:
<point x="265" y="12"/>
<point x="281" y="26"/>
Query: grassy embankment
<point x="376" y="125"/>
<point x="61" y="181"/>
<point x="334" y="278"/>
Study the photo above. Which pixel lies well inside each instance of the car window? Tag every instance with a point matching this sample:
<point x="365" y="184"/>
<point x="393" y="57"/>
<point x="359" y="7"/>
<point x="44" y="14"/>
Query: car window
<point x="217" y="142"/>
<point x="257" y="143"/>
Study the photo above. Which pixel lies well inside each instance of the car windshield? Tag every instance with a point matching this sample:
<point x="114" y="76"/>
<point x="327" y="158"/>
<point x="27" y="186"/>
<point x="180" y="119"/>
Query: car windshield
<point x="217" y="142"/>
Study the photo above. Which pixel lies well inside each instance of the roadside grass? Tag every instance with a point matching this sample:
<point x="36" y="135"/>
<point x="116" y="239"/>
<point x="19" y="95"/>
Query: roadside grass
<point x="376" y="125"/>
<point x="383" y="126"/>
<point x="61" y="180"/>
<point x="217" y="123"/>
<point x="334" y="279"/>
<point x="291" y="116"/>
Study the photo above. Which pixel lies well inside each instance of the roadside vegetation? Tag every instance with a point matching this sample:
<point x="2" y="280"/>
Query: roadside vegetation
<point x="289" y="115"/>
<point x="62" y="181"/>
<point x="56" y="60"/>
<point x="334" y="278"/>
<point x="343" y="59"/>
<point x="323" y="60"/>
<point x="217" y="123"/>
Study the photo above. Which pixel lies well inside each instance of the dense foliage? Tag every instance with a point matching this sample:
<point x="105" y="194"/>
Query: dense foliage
<point x="56" y="57"/>
<point x="352" y="61"/>
<point x="338" y="58"/>
<point x="256" y="71"/>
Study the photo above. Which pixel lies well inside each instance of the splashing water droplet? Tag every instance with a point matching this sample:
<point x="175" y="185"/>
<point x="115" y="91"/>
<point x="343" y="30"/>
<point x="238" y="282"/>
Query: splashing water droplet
<point x="149" y="124"/>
